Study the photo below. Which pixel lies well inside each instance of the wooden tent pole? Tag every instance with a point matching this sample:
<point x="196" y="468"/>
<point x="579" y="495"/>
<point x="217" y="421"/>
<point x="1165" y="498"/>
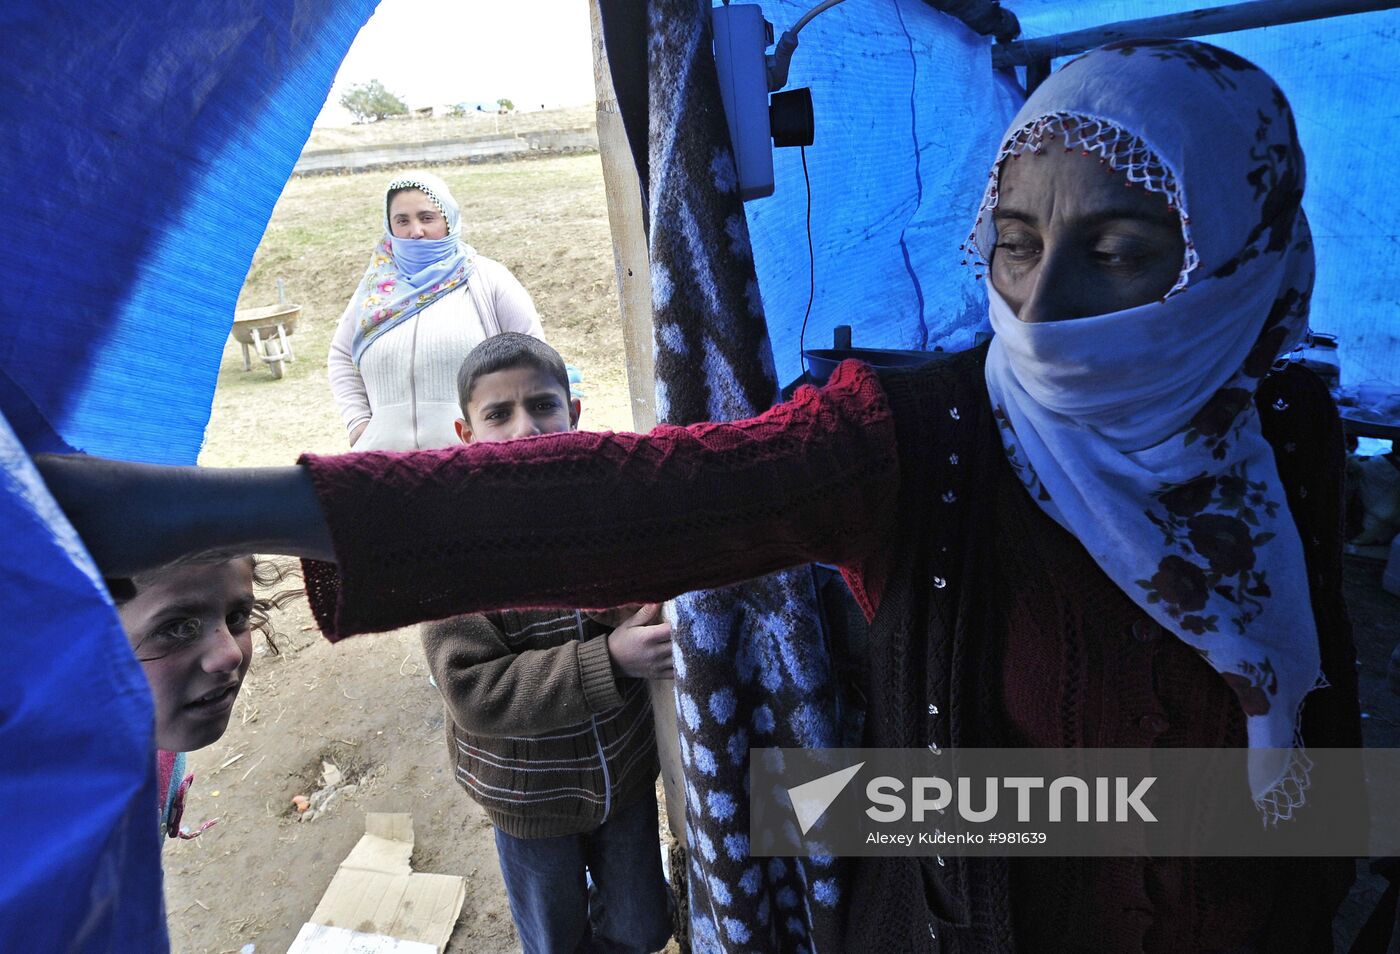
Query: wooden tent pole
<point x="624" y="197"/>
<point x="1230" y="19"/>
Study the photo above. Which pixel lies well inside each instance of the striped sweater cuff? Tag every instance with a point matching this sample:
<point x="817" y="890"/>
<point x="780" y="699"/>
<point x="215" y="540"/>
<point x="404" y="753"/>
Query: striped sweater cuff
<point x="595" y="671"/>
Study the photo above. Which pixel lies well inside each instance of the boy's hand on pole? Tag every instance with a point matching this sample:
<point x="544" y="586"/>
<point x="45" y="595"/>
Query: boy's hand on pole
<point x="641" y="645"/>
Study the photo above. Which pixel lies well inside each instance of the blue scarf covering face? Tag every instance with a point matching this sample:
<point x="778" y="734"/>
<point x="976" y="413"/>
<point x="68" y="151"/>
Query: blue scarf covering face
<point x="405" y="276"/>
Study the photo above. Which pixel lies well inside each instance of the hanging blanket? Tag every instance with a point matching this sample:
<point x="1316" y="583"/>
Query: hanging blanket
<point x="752" y="669"/>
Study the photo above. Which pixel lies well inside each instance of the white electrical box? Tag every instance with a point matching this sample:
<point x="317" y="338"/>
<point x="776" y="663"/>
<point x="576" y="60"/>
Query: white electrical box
<point x="742" y="37"/>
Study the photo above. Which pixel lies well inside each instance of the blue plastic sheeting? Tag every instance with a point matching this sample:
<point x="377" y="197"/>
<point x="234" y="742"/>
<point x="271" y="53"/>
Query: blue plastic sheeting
<point x="908" y="114"/>
<point x="887" y="217"/>
<point x="146" y="145"/>
<point x="1342" y="77"/>
<point x="78" y="801"/>
<point x="1343" y="80"/>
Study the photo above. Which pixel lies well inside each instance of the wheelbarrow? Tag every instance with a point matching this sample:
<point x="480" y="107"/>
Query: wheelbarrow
<point x="265" y="331"/>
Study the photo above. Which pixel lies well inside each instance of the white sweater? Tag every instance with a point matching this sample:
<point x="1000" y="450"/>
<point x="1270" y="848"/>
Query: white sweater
<point x="406" y="385"/>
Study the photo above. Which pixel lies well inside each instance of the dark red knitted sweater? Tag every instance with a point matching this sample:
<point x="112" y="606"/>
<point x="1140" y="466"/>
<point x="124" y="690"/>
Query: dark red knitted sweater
<point x="990" y="624"/>
<point x="597" y="520"/>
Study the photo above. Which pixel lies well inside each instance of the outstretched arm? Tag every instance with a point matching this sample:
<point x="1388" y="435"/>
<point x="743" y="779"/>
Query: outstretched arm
<point x="595" y="520"/>
<point x="559" y="520"/>
<point x="135" y="517"/>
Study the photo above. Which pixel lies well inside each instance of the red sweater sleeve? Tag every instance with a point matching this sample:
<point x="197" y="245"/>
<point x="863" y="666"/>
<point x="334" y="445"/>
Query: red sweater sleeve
<point x="601" y="519"/>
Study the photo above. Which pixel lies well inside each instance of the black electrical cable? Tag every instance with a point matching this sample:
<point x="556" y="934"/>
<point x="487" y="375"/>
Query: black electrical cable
<point x="811" y="270"/>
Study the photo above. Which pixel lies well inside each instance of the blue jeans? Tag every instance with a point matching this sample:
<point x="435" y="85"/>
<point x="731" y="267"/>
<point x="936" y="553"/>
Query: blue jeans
<point x="626" y="909"/>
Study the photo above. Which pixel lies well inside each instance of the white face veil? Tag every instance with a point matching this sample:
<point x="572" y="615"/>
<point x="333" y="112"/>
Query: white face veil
<point x="1137" y="430"/>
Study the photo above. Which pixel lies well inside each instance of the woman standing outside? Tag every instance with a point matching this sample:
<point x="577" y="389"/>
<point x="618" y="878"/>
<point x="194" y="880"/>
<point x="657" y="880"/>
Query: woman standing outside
<point x="426" y="299"/>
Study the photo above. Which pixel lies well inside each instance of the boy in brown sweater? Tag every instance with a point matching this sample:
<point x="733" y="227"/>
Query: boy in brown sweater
<point x="549" y="724"/>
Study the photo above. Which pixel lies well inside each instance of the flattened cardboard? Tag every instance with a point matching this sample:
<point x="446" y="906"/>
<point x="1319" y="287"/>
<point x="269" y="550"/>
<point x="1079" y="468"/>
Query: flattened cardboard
<point x="319" y="939"/>
<point x="375" y="892"/>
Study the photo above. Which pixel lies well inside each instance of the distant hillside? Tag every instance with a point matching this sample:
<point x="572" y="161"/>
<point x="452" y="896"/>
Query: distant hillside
<point x="470" y="126"/>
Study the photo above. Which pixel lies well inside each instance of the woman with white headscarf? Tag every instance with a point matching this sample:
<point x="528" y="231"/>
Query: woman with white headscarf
<point x="426" y="299"/>
<point x="1157" y="566"/>
<point x="1113" y="528"/>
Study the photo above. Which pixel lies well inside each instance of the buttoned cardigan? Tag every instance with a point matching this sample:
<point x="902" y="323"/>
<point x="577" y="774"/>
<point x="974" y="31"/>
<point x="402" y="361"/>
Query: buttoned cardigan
<point x="899" y="479"/>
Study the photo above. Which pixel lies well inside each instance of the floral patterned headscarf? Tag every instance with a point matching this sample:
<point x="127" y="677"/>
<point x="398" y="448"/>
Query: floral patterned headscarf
<point x="1137" y="430"/>
<point x="405" y="276"/>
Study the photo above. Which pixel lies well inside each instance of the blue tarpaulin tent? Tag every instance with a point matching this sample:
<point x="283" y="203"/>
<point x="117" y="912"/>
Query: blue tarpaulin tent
<point x="907" y="114"/>
<point x="146" y="145"/>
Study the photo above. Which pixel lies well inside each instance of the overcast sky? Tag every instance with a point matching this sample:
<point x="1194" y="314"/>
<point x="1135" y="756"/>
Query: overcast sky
<point x="433" y="52"/>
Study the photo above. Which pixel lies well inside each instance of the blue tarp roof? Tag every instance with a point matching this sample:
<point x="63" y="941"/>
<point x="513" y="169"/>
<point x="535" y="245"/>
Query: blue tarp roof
<point x="145" y="146"/>
<point x="907" y="118"/>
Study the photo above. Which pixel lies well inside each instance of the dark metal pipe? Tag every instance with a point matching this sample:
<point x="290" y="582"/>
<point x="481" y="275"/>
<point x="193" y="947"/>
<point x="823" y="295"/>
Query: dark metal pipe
<point x="1037" y="72"/>
<point x="1239" y="16"/>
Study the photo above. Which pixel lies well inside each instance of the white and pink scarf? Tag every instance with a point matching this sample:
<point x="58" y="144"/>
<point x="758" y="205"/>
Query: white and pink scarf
<point x="405" y="275"/>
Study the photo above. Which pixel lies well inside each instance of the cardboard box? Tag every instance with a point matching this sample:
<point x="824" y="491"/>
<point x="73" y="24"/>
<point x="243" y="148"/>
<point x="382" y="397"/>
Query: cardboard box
<point x="377" y="904"/>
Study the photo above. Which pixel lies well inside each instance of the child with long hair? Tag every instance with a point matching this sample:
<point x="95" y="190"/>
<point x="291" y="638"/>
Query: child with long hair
<point x="191" y="627"/>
